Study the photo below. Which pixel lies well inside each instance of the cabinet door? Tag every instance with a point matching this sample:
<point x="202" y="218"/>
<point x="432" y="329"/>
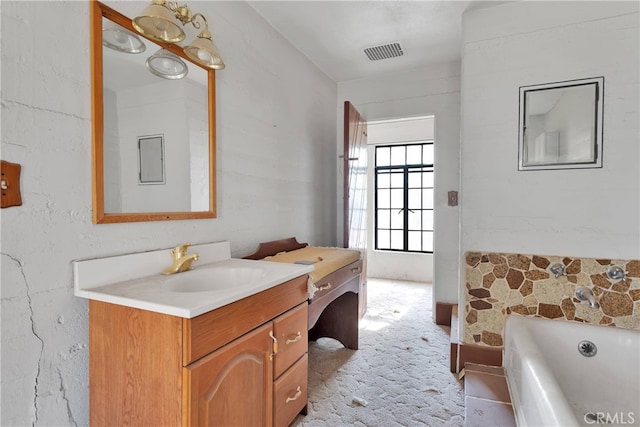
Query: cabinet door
<point x="232" y="386"/>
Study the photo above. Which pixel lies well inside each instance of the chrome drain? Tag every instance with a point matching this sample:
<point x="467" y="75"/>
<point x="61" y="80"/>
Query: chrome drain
<point x="587" y="348"/>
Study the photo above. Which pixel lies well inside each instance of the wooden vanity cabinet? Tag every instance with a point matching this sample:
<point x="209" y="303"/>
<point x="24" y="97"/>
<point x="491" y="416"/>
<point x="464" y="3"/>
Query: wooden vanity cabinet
<point x="220" y="368"/>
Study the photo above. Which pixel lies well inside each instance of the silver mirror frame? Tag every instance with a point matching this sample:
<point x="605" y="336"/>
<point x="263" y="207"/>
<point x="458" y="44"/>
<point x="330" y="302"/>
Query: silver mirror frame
<point x="597" y="142"/>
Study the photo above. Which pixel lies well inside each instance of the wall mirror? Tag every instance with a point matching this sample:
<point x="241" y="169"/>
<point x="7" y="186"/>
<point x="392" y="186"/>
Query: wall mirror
<point x="145" y="92"/>
<point x="560" y="125"/>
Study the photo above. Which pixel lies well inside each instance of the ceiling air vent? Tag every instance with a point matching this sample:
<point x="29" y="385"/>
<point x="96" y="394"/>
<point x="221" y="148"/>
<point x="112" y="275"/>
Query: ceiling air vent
<point x="384" y="51"/>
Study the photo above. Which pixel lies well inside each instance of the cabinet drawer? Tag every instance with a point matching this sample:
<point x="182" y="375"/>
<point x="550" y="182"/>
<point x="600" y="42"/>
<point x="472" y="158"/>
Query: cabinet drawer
<point x="210" y="331"/>
<point x="332" y="281"/>
<point x="290" y="330"/>
<point x="290" y="393"/>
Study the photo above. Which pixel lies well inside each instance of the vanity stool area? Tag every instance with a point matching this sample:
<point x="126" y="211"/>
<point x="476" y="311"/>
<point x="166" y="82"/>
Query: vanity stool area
<point x="338" y="293"/>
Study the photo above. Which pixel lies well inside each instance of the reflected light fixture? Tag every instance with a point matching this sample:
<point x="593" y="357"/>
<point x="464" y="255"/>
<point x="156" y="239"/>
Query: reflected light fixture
<point x="158" y="21"/>
<point x="117" y="38"/>
<point x="167" y="65"/>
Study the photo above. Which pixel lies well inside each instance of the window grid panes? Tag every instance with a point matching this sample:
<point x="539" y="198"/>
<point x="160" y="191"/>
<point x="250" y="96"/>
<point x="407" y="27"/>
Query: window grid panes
<point x="404" y="197"/>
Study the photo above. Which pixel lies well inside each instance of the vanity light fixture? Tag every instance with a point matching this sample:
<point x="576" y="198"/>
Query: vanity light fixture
<point x="122" y="40"/>
<point x="167" y="65"/>
<point x="158" y="21"/>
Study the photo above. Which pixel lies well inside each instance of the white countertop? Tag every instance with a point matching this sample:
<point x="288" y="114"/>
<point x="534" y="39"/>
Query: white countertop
<point x="102" y="280"/>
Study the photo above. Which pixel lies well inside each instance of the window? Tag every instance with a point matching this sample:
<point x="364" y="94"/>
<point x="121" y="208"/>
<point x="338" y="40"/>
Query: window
<point x="404" y="197"/>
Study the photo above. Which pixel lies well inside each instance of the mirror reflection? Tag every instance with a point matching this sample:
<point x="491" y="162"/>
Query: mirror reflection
<point x="157" y="122"/>
<point x="138" y="103"/>
<point x="561" y="125"/>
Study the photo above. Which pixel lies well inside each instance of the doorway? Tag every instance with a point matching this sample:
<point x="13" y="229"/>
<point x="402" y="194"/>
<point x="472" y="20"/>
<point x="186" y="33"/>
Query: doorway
<point x="401" y="203"/>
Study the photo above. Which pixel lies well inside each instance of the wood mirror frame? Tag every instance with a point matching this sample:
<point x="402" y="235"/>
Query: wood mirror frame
<point x="98" y="11"/>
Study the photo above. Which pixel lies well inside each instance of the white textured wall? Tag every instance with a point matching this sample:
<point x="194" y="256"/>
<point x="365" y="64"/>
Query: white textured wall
<point x="276" y="178"/>
<point x="580" y="213"/>
<point x="434" y="91"/>
<point x="157" y="109"/>
<point x="111" y="147"/>
<point x="198" y="125"/>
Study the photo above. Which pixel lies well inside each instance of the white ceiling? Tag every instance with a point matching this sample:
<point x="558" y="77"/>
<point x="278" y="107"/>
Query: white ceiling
<point x="333" y="34"/>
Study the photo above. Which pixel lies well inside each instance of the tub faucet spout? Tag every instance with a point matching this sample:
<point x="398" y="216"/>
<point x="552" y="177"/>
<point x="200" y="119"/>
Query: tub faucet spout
<point x="585" y="294"/>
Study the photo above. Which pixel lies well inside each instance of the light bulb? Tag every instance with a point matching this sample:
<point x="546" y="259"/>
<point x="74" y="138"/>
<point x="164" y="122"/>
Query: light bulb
<point x="167" y="65"/>
<point x="120" y="37"/>
<point x="161" y="25"/>
<point x="204" y="56"/>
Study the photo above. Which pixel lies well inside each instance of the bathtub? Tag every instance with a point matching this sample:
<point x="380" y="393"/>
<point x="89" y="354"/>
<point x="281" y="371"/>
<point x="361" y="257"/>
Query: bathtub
<point x="552" y="384"/>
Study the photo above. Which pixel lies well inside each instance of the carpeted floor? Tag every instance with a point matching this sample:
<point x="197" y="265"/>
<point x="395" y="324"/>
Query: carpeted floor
<point x="400" y="374"/>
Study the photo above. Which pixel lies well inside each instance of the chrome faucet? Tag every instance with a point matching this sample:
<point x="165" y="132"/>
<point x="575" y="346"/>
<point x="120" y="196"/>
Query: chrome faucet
<point x="585" y="294"/>
<point x="181" y="261"/>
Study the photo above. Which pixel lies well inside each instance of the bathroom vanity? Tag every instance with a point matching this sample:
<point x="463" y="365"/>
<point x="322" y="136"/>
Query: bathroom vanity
<point x="242" y="362"/>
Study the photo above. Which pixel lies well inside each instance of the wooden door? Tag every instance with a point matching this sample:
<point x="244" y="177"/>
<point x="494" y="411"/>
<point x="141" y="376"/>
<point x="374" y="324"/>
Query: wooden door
<point x="355" y="179"/>
<point x="355" y="191"/>
<point x="233" y="385"/>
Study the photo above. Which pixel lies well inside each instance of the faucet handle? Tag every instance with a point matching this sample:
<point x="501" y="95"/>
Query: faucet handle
<point x="180" y="250"/>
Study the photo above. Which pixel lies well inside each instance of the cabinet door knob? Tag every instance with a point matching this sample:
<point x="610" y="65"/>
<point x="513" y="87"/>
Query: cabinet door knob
<point x="294" y="338"/>
<point x="324" y="287"/>
<point x="355" y="269"/>
<point x="295" y="396"/>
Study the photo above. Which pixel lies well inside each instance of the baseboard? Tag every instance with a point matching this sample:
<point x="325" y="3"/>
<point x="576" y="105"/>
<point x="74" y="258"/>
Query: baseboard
<point x="443" y="313"/>
<point x="453" y="339"/>
<point x="479" y="354"/>
<point x="461" y="353"/>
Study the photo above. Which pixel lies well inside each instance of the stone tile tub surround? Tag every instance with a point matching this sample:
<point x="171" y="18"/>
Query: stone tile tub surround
<point x="500" y="284"/>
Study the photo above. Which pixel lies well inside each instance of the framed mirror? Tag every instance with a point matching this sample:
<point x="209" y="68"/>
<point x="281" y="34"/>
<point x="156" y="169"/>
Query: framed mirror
<point x="153" y="116"/>
<point x="560" y="125"/>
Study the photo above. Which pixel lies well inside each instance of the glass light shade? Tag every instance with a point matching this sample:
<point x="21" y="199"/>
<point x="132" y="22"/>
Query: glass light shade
<point x="117" y="38"/>
<point x="158" y="22"/>
<point x="204" y="52"/>
<point x="167" y="65"/>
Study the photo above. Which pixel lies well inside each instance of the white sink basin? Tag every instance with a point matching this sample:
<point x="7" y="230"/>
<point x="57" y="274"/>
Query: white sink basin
<point x="214" y="278"/>
<point x="134" y="280"/>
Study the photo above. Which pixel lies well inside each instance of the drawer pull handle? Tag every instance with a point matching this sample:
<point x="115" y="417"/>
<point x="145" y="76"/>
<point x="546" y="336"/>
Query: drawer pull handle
<point x="324" y="287"/>
<point x="355" y="269"/>
<point x="275" y="342"/>
<point x="295" y="338"/>
<point x="295" y="396"/>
